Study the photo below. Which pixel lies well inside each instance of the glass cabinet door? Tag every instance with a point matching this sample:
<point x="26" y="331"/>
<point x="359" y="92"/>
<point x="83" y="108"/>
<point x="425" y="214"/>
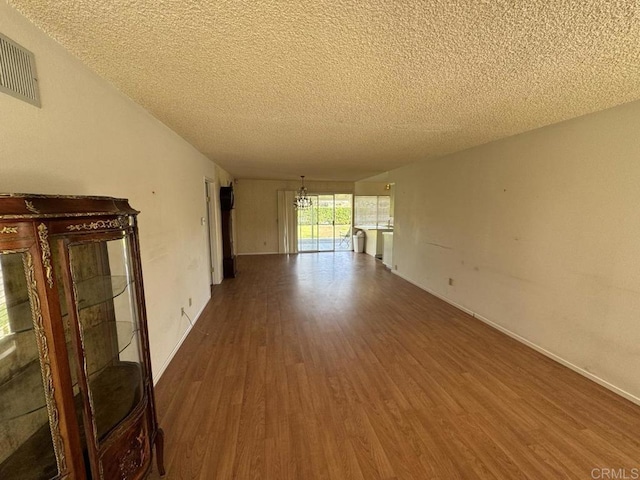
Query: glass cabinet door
<point x="26" y="445"/>
<point x="105" y="302"/>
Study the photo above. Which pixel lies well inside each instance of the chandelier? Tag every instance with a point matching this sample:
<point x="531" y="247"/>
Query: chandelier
<point x="302" y="200"/>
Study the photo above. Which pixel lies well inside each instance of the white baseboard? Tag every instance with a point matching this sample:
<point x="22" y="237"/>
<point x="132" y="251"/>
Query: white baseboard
<point x="158" y="374"/>
<point x="435" y="294"/>
<point x="530" y="344"/>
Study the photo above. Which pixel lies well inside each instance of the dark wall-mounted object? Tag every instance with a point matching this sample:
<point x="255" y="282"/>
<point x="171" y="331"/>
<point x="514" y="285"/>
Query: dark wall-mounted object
<point x="228" y="251"/>
<point x="226" y="198"/>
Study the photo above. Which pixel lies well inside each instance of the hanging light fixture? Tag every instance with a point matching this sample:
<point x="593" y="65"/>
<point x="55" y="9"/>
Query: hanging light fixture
<point x="302" y="200"/>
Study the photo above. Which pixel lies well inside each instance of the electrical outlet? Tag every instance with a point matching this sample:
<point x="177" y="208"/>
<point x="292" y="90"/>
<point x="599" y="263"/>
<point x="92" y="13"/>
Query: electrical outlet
<point x="182" y="311"/>
<point x="395" y="267"/>
<point x="451" y="282"/>
<point x="190" y="302"/>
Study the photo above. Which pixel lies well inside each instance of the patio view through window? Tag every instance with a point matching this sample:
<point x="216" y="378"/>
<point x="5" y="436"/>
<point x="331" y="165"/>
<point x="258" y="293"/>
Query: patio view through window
<point x="373" y="211"/>
<point x="326" y="225"/>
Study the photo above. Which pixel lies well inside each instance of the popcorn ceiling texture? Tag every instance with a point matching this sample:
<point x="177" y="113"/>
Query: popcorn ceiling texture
<point x="341" y="90"/>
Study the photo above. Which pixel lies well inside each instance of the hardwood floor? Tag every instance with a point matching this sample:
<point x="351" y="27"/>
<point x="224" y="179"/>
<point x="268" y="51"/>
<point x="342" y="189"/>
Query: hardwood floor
<point x="328" y="366"/>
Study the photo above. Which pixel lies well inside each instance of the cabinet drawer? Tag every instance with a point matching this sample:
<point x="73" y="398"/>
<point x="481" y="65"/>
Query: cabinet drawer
<point x="128" y="458"/>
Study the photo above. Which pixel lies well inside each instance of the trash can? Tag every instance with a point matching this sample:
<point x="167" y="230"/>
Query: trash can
<point x="358" y="242"/>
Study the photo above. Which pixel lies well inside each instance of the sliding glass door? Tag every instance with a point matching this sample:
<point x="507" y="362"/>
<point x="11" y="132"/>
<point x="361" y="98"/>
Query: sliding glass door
<point x="343" y="208"/>
<point x="308" y="227"/>
<point x="326" y="225"/>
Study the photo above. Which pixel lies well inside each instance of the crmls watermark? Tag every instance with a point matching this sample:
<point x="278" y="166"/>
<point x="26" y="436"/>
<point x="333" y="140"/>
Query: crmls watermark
<point x="605" y="473"/>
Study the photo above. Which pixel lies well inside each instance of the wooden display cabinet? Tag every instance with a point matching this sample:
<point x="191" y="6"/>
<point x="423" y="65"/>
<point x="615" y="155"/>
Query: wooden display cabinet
<point x="76" y="391"/>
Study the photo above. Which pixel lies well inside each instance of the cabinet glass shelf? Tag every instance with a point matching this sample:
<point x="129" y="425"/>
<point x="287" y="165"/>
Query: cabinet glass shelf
<point x="108" y="288"/>
<point x="14" y="407"/>
<point x="30" y="373"/>
<point x="113" y="396"/>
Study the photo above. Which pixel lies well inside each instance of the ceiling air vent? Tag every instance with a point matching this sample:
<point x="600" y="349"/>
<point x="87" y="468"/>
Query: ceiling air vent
<point x="18" y="72"/>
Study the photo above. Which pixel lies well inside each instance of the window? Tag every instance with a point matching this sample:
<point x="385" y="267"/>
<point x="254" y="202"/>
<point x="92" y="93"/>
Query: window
<point x="373" y="211"/>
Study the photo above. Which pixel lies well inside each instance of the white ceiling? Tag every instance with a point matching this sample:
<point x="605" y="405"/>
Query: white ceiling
<point x="342" y="90"/>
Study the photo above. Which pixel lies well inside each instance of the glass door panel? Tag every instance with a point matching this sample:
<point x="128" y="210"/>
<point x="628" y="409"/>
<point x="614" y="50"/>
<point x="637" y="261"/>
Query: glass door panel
<point x="308" y="227"/>
<point x="105" y="302"/>
<point x="342" y="215"/>
<point x="326" y="220"/>
<point x="326" y="225"/>
<point x="26" y="445"/>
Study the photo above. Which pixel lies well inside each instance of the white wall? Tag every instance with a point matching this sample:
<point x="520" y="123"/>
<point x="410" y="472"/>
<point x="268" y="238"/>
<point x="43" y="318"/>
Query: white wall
<point x="541" y="234"/>
<point x="90" y="139"/>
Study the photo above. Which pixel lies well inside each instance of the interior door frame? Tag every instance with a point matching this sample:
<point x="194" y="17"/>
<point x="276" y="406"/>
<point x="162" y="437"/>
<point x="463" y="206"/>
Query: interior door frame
<point x="212" y="222"/>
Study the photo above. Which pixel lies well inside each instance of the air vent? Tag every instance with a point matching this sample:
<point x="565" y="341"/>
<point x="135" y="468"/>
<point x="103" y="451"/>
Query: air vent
<point x="18" y="72"/>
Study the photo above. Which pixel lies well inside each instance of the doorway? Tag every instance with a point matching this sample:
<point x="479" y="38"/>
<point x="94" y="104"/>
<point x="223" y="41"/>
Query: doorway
<point x="212" y="232"/>
<point x="326" y="225"/>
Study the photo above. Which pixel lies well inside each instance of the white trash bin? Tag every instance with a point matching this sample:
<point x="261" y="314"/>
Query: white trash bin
<point x="358" y="242"/>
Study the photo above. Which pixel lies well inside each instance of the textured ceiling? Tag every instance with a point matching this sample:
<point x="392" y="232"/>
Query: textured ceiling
<point x="338" y="89"/>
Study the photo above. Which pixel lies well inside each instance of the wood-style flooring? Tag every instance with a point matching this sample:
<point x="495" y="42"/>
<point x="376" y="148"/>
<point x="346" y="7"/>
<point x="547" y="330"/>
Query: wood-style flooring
<point x="328" y="366"/>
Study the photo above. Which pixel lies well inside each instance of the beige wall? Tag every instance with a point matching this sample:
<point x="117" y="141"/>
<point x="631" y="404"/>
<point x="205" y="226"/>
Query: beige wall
<point x="89" y="139"/>
<point x="541" y="235"/>
<point x="371" y="188"/>
<point x="257" y="210"/>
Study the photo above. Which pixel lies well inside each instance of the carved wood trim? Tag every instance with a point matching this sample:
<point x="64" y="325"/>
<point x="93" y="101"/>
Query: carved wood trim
<point x="132" y="460"/>
<point x="43" y="234"/>
<point x="45" y="362"/>
<point x="31" y="207"/>
<point x="120" y="222"/>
